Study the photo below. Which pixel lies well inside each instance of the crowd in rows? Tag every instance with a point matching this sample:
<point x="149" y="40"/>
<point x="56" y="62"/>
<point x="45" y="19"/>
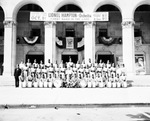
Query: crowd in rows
<point x="72" y="75"/>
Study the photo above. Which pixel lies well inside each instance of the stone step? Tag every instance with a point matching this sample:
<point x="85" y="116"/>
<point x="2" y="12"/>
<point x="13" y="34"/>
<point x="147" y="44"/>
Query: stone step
<point x="7" y="81"/>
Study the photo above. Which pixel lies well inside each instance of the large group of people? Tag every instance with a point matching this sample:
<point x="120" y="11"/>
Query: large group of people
<point x="72" y="75"/>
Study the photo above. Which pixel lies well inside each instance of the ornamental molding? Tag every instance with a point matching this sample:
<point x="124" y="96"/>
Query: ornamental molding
<point x="49" y="24"/>
<point x="9" y="23"/>
<point x="89" y="23"/>
<point x="128" y="24"/>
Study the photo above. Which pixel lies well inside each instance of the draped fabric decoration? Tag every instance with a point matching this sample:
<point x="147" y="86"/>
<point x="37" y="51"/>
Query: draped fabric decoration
<point x="70" y="43"/>
<point x="138" y="41"/>
<point x="107" y="41"/>
<point x="30" y="40"/>
<point x="80" y="44"/>
<point x="59" y="42"/>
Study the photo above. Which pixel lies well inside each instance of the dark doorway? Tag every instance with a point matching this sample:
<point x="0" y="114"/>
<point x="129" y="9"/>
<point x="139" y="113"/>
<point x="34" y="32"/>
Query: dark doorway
<point x="70" y="33"/>
<point x="105" y="58"/>
<point x="1" y="64"/>
<point x="33" y="57"/>
<point x="74" y="58"/>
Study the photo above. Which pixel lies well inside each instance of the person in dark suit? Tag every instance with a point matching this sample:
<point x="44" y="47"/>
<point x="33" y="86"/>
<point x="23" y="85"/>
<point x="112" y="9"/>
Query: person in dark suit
<point x="17" y="73"/>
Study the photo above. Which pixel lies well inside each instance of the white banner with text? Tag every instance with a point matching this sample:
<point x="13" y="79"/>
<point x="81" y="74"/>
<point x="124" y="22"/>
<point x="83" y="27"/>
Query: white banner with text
<point x="69" y="16"/>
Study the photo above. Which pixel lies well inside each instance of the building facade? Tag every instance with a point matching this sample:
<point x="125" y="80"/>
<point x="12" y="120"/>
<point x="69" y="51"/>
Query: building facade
<point x="124" y="38"/>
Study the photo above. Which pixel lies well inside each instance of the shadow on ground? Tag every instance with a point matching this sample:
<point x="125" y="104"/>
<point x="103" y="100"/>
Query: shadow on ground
<point x="140" y="116"/>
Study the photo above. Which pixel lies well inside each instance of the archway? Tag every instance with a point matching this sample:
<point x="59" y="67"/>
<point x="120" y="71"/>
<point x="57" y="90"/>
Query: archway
<point x="142" y="37"/>
<point x="1" y="40"/>
<point x="109" y="33"/>
<point x="69" y="30"/>
<point x="29" y="33"/>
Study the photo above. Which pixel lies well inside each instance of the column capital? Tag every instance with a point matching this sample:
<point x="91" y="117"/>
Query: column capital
<point x="89" y="23"/>
<point x="128" y="23"/>
<point x="9" y="23"/>
<point x="49" y="24"/>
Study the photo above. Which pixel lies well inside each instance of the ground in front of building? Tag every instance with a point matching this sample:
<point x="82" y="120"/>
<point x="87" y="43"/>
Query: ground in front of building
<point x="131" y="113"/>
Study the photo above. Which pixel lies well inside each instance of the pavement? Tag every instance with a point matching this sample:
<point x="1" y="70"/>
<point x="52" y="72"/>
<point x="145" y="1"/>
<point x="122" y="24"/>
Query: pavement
<point x="12" y="96"/>
<point x="77" y="114"/>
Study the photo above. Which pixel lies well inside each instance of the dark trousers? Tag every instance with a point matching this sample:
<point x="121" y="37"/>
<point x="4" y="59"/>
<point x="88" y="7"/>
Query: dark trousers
<point x="17" y="81"/>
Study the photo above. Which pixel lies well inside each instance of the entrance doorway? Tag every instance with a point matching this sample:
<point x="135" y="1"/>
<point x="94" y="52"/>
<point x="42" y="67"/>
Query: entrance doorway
<point x="74" y="58"/>
<point x="105" y="58"/>
<point x="33" y="57"/>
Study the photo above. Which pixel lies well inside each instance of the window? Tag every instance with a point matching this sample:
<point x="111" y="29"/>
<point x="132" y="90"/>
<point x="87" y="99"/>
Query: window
<point x="1" y="32"/>
<point x="70" y="33"/>
<point x="36" y="32"/>
<point x="137" y="32"/>
<point x="103" y="33"/>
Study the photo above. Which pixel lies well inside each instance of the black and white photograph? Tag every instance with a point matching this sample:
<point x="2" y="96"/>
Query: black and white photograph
<point x="74" y="60"/>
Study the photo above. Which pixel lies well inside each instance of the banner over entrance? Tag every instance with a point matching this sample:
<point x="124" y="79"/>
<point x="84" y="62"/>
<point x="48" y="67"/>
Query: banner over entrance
<point x="69" y="16"/>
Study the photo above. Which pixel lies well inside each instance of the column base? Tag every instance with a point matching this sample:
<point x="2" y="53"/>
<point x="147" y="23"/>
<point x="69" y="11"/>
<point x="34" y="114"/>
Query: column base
<point x="6" y="73"/>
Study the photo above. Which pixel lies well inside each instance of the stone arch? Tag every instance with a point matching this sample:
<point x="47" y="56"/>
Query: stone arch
<point x="23" y="3"/>
<point x="67" y="2"/>
<point x="107" y="3"/>
<point x="143" y="2"/>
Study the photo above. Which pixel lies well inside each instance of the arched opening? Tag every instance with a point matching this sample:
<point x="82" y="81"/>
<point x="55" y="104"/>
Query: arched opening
<point x="69" y="31"/>
<point x="109" y="34"/>
<point x="69" y="8"/>
<point x="30" y="34"/>
<point x="142" y="39"/>
<point x="1" y="40"/>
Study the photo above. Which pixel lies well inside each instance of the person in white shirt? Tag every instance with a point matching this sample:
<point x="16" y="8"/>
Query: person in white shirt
<point x="22" y="65"/>
<point x="28" y="63"/>
<point x="35" y="64"/>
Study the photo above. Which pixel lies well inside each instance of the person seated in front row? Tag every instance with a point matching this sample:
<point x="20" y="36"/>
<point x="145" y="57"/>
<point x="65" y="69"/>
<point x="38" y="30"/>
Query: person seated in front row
<point x="123" y="80"/>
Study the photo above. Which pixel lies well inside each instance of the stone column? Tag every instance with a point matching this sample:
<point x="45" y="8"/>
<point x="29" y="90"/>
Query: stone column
<point x="50" y="45"/>
<point x="128" y="46"/>
<point x="89" y="41"/>
<point x="9" y="47"/>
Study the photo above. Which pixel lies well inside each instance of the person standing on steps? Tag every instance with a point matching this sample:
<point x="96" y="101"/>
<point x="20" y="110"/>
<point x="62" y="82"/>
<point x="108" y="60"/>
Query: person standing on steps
<point x="17" y="73"/>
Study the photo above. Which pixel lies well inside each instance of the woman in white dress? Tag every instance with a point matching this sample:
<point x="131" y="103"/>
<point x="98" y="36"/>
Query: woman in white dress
<point x="30" y="79"/>
<point x="50" y="81"/>
<point x="77" y="65"/>
<point x="123" y="80"/>
<point x="28" y="63"/>
<point x="35" y="64"/>
<point x="22" y="80"/>
<point x="118" y="80"/>
<point x="100" y="80"/>
<point x="38" y="79"/>
<point x="114" y="84"/>
<point x="80" y="74"/>
<point x="45" y="80"/>
<point x="41" y="81"/>
<point x="57" y="81"/>
<point x="109" y="81"/>
<point x="35" y="81"/>
<point x="92" y="75"/>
